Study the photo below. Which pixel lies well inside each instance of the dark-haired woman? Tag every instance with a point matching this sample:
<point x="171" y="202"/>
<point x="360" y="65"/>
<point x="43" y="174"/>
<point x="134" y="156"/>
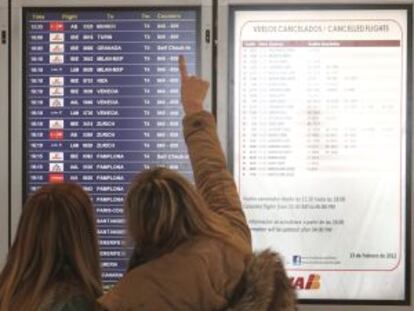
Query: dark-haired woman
<point x="53" y="264"/>
<point x="192" y="244"/>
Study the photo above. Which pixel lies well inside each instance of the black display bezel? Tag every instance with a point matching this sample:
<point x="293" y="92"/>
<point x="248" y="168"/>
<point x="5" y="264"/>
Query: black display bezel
<point x="62" y="9"/>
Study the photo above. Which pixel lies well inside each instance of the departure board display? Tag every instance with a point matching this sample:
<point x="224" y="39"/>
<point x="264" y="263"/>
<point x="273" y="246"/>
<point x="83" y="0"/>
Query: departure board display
<point x="102" y="103"/>
<point x="320" y="138"/>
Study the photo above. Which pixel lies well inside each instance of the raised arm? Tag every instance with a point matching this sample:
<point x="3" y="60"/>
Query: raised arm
<point x="212" y="178"/>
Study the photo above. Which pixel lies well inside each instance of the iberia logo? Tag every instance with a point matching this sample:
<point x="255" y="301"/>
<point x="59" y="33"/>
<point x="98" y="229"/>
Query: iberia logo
<point x="312" y="282"/>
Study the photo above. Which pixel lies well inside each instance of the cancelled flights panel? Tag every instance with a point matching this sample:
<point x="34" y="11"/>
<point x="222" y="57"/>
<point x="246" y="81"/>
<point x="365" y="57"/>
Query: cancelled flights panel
<point x="320" y="144"/>
<point x="102" y="103"/>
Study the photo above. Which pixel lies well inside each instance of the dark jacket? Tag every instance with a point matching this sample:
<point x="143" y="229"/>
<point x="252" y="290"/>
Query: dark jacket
<point x="68" y="298"/>
<point x="265" y="286"/>
<point x="202" y="273"/>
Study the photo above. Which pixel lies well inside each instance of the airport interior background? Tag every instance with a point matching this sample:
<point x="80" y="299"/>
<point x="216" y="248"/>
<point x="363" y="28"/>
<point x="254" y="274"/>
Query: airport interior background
<point x="313" y="103"/>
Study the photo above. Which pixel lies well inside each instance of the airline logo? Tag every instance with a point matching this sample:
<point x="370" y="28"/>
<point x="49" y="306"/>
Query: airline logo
<point x="56" y="178"/>
<point x="312" y="282"/>
<point x="56" y="37"/>
<point x="56" y="167"/>
<point x="56" y="26"/>
<point x="56" y="124"/>
<point x="56" y="48"/>
<point x="56" y="102"/>
<point x="56" y="91"/>
<point x="56" y="135"/>
<point x="56" y="81"/>
<point x="56" y="59"/>
<point x="55" y="156"/>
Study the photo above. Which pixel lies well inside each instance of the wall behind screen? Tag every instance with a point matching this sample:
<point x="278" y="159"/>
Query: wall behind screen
<point x="4" y="106"/>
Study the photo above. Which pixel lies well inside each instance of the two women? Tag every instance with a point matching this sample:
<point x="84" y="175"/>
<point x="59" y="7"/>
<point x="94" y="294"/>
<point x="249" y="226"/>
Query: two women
<point x="192" y="244"/>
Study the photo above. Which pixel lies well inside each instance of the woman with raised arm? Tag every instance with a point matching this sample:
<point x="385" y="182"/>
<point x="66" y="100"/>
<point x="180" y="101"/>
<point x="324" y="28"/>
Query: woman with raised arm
<point x="192" y="244"/>
<point x="53" y="264"/>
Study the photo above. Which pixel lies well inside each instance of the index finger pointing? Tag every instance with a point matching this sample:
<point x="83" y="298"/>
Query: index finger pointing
<point x="183" y="67"/>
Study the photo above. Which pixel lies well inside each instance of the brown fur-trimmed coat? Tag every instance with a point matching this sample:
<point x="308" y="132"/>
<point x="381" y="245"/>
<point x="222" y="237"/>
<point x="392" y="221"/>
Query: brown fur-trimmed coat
<point x="204" y="273"/>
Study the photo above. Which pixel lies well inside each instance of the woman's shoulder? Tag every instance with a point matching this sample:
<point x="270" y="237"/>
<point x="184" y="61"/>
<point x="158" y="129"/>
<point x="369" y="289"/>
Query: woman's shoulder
<point x="200" y="256"/>
<point x="79" y="303"/>
<point x="67" y="298"/>
<point x="209" y="247"/>
<point x="200" y="272"/>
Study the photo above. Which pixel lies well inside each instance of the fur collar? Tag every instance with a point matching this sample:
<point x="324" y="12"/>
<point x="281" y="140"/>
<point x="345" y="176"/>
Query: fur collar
<point x="265" y="286"/>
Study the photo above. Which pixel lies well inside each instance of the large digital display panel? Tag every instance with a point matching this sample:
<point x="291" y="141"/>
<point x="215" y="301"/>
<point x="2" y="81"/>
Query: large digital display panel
<point x="320" y="132"/>
<point x="102" y="103"/>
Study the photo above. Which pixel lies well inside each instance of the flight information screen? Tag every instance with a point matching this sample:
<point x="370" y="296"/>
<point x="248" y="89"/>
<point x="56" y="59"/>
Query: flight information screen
<point x="320" y="135"/>
<point x="102" y="103"/>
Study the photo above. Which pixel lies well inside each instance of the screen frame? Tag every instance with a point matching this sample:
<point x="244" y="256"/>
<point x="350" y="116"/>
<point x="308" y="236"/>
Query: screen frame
<point x="4" y="131"/>
<point x="18" y="130"/>
<point x="228" y="125"/>
<point x="25" y="116"/>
